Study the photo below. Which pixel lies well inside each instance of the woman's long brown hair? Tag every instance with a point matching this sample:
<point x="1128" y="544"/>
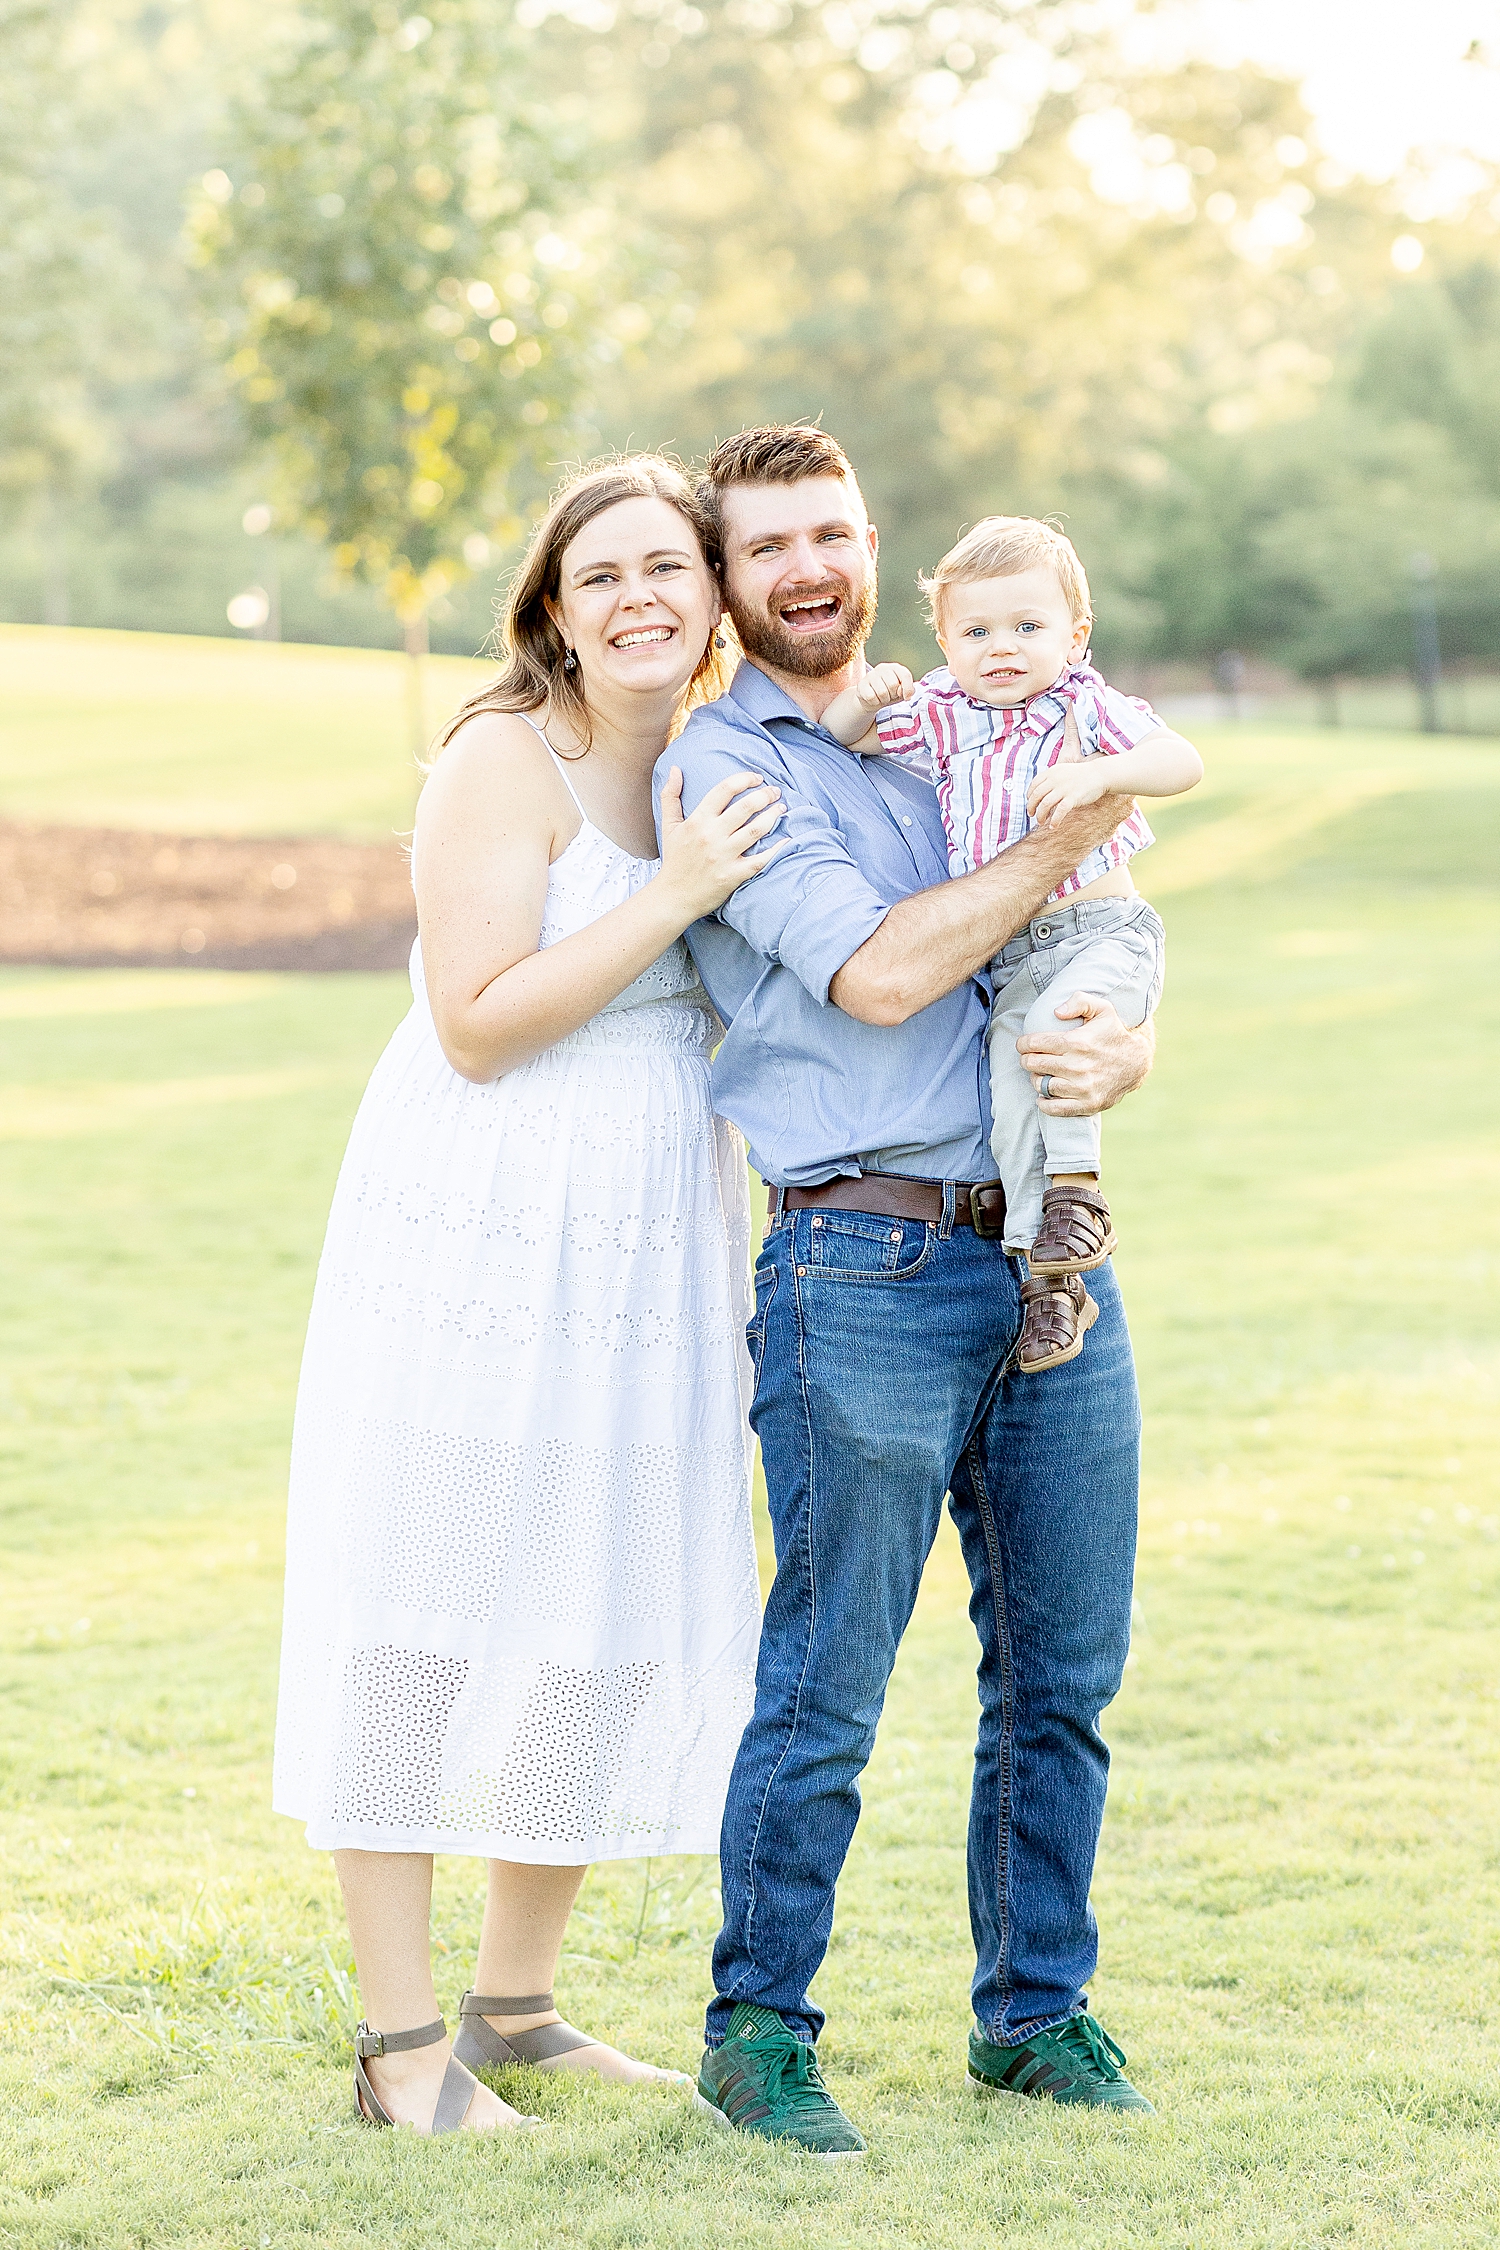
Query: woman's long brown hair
<point x="527" y="641"/>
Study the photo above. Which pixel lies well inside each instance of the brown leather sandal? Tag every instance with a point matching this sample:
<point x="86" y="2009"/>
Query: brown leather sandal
<point x="481" y="2047"/>
<point x="454" y="2095"/>
<point x="1076" y="1232"/>
<point x="1057" y="1317"/>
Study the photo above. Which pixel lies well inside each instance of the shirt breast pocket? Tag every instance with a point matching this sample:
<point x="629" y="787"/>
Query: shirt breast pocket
<point x="866" y="1246"/>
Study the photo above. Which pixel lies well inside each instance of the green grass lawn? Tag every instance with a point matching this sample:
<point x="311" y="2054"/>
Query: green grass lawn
<point x="1300" y="1875"/>
<point x="222" y="738"/>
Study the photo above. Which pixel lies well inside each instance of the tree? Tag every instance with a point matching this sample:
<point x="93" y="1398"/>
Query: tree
<point x="1006" y="267"/>
<point x="1299" y="539"/>
<point x="55" y="287"/>
<point x="416" y="285"/>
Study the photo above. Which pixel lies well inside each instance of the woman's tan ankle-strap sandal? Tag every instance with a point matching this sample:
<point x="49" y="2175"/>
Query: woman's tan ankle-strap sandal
<point x="454" y="2095"/>
<point x="479" y="2045"/>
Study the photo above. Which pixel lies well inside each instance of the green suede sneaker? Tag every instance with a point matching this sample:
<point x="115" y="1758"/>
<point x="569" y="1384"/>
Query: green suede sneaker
<point x="1075" y="2061"/>
<point x="765" y="2080"/>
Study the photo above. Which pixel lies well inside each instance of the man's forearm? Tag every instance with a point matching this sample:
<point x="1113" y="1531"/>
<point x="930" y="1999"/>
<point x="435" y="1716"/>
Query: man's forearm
<point x="932" y="942"/>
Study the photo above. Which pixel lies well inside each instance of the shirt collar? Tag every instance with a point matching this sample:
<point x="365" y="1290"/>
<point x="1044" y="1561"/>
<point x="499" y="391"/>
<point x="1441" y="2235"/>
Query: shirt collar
<point x="761" y="699"/>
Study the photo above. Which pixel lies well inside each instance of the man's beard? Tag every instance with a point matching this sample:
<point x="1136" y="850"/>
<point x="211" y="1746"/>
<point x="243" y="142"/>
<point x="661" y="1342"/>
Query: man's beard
<point x="811" y="656"/>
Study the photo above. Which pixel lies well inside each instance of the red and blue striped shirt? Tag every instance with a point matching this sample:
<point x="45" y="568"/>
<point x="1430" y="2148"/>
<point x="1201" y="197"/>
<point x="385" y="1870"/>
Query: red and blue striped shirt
<point x="984" y="758"/>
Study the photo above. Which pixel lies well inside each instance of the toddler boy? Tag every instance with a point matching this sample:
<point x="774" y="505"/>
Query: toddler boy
<point x="1015" y="731"/>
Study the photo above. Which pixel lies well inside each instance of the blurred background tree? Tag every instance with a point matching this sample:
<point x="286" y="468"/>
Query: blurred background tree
<point x="58" y="299"/>
<point x="420" y="276"/>
<point x="1013" y="264"/>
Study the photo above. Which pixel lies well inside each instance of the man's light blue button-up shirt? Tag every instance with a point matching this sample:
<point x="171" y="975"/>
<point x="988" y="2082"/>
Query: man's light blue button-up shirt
<point x="815" y="1092"/>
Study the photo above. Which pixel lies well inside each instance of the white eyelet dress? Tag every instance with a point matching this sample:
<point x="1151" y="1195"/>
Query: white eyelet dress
<point x="521" y="1603"/>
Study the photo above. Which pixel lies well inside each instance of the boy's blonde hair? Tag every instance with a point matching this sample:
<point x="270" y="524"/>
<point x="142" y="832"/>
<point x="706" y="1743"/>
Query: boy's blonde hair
<point x="1000" y="547"/>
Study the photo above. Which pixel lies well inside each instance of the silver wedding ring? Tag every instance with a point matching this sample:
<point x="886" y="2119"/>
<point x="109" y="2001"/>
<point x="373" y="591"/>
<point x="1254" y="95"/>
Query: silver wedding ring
<point x="1044" y="1086"/>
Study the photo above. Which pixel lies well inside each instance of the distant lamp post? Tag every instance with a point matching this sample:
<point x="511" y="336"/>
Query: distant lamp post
<point x="1229" y="677"/>
<point x="248" y="612"/>
<point x="255" y="523"/>
<point x="1429" y="659"/>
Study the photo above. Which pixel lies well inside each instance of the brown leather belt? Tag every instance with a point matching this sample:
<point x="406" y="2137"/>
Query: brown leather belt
<point x="890" y="1195"/>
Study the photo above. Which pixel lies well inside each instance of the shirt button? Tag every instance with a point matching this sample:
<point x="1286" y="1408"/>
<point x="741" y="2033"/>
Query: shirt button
<point x="906" y="820"/>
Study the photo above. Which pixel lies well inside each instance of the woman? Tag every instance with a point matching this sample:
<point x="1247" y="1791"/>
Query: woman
<point x="521" y="1610"/>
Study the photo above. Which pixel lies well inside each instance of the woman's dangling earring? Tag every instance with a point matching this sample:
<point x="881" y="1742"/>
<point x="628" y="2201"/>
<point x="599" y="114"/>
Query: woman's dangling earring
<point x="719" y="641"/>
<point x="570" y="662"/>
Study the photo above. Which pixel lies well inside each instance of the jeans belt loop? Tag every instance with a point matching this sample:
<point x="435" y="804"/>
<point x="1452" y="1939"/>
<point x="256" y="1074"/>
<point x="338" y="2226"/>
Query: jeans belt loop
<point x="950" y="1205"/>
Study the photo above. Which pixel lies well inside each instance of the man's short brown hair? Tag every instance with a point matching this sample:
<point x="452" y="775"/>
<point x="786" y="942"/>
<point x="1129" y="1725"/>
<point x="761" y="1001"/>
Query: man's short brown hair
<point x="775" y="453"/>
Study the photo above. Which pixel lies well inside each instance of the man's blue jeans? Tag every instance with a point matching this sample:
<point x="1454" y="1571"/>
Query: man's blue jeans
<point x="881" y="1348"/>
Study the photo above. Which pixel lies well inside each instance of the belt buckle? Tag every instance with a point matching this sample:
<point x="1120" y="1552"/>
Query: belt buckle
<point x="982" y="1227"/>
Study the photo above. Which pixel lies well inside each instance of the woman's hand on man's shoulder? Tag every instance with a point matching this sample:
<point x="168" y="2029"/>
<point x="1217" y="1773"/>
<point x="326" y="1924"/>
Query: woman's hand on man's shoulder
<point x="708" y="853"/>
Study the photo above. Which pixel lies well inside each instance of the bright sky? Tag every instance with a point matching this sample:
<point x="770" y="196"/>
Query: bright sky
<point x="1381" y="76"/>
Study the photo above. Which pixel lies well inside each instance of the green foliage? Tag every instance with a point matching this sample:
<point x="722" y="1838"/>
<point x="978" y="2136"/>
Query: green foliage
<point x="1299" y="539"/>
<point x="997" y="308"/>
<point x="1011" y="263"/>
<point x="54" y="266"/>
<point x="1297" y="1889"/>
<point x="422" y="287"/>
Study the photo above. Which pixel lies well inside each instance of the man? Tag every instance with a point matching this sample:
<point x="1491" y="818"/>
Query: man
<point x="850" y="975"/>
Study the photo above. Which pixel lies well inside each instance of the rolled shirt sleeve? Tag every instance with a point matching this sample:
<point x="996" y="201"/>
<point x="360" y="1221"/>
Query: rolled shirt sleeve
<point x="811" y="908"/>
<point x="816" y="1092"/>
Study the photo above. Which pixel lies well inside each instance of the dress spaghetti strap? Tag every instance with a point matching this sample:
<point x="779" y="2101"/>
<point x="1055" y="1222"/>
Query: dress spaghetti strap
<point x="560" y="765"/>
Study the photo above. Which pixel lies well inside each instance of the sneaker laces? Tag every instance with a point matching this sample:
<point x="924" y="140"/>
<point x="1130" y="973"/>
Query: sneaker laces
<point x="792" y="2074"/>
<point x="1086" y="2037"/>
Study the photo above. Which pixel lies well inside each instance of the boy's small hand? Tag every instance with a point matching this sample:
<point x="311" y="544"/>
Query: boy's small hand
<point x="850" y="717"/>
<point x="883" y="684"/>
<point x="1061" y="789"/>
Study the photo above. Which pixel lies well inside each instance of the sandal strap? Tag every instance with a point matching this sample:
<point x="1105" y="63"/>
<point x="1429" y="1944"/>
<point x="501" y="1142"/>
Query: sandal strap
<point x="368" y="2105"/>
<point x="368" y="2042"/>
<point x="1092" y="1199"/>
<point x="546" y="2040"/>
<point x="1047" y="1285"/>
<point x="454" y="2096"/>
<point x="478" y="2042"/>
<point x="1053" y="1312"/>
<point x="488" y="2004"/>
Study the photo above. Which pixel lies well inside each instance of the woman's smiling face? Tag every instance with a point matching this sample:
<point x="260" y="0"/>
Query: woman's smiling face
<point x="1007" y="639"/>
<point x="636" y="601"/>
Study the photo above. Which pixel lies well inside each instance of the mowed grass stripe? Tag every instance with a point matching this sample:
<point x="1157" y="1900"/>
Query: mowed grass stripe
<point x="1298" y="1889"/>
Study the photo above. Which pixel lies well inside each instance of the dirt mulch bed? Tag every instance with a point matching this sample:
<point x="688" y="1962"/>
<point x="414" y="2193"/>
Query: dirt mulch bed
<point x="125" y="898"/>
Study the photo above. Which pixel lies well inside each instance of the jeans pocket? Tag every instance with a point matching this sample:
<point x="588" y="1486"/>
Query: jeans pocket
<point x="865" y="1246"/>
<point x="755" y="1330"/>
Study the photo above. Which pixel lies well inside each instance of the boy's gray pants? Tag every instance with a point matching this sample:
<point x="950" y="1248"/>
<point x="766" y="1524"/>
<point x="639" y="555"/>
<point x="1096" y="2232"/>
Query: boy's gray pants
<point x="1113" y="948"/>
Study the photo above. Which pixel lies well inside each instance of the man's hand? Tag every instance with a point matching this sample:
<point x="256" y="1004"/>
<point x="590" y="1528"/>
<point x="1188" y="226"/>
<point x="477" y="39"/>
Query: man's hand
<point x="1092" y="1066"/>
